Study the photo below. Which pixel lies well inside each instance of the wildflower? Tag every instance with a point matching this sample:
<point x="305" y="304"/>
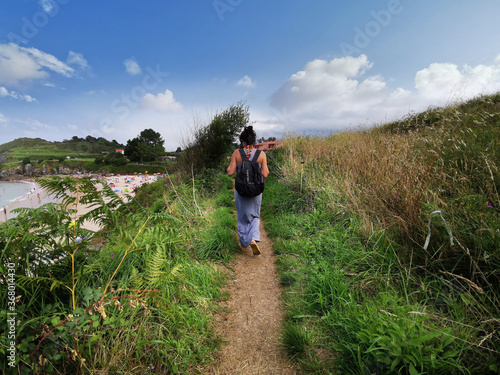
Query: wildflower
<point x="490" y="206"/>
<point x="99" y="308"/>
<point x="279" y="181"/>
<point x="117" y="303"/>
<point x="112" y="255"/>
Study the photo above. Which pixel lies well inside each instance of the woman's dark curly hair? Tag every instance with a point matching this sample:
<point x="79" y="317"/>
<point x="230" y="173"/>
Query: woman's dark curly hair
<point x="248" y="135"/>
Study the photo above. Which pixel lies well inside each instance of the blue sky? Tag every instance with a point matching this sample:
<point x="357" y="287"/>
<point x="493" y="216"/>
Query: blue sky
<point x="114" y="68"/>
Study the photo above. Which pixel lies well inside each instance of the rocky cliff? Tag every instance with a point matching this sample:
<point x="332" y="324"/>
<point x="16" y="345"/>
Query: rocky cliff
<point x="28" y="170"/>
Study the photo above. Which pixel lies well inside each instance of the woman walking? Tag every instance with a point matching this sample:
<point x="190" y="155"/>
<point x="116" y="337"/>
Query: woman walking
<point x="248" y="208"/>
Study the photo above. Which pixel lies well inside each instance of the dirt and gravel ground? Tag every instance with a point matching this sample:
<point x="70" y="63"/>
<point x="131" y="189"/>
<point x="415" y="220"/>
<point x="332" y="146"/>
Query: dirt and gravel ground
<point x="251" y="327"/>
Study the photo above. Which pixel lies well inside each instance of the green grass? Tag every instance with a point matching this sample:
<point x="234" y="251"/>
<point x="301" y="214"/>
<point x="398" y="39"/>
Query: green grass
<point x="40" y="149"/>
<point x="137" y="297"/>
<point x="349" y="226"/>
<point x="48" y="152"/>
<point x="357" y="305"/>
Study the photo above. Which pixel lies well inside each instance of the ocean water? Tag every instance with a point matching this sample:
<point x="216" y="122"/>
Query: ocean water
<point x="14" y="191"/>
<point x="17" y="194"/>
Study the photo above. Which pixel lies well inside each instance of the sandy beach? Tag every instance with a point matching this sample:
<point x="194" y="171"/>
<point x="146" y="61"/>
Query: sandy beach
<point x="34" y="199"/>
<point x="122" y="185"/>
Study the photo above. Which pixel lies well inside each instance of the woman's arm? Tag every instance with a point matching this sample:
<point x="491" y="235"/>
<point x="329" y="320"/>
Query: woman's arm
<point x="232" y="166"/>
<point x="264" y="169"/>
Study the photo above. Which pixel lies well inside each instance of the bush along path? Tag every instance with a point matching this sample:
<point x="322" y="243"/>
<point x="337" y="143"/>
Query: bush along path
<point x="250" y="327"/>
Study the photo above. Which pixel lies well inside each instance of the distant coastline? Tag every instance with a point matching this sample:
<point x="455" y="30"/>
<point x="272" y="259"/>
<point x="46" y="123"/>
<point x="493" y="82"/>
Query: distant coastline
<point x="33" y="197"/>
<point x="124" y="186"/>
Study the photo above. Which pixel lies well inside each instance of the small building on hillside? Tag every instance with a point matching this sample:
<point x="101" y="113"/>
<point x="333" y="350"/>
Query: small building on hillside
<point x="120" y="151"/>
<point x="265" y="146"/>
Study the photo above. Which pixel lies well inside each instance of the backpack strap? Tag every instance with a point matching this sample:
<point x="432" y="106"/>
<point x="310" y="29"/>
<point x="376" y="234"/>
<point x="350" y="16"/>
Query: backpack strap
<point x="256" y="155"/>
<point x="243" y="154"/>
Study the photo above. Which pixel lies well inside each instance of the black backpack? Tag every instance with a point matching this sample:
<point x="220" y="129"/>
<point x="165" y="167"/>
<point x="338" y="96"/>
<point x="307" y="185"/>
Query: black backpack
<point x="249" y="180"/>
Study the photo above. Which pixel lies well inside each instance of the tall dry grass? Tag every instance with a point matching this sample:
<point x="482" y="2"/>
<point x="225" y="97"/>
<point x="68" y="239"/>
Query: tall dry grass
<point x="395" y="177"/>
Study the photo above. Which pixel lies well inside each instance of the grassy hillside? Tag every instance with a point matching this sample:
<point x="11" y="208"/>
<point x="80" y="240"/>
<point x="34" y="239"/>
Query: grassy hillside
<point x="24" y="142"/>
<point x="389" y="244"/>
<point x="40" y="149"/>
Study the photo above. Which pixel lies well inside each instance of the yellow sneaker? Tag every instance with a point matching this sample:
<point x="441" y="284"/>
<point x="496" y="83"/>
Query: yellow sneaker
<point x="255" y="248"/>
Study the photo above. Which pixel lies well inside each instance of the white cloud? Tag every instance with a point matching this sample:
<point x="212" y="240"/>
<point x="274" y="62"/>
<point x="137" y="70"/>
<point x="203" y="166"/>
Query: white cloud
<point x="132" y="67"/>
<point x="246" y="81"/>
<point x="324" y="83"/>
<point x="36" y="125"/>
<point x="19" y="64"/>
<point x="170" y="125"/>
<point x="48" y="61"/>
<point x="164" y="102"/>
<point x="338" y="94"/>
<point x="47" y="5"/>
<point x="77" y="59"/>
<point x="439" y="80"/>
<point x="13" y="128"/>
<point x="28" y="98"/>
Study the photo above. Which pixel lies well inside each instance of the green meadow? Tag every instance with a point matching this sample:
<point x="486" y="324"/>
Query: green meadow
<point x="387" y="242"/>
<point x="48" y="153"/>
<point x="37" y="149"/>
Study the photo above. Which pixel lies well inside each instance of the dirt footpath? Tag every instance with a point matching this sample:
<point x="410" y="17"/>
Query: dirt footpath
<point x="251" y="328"/>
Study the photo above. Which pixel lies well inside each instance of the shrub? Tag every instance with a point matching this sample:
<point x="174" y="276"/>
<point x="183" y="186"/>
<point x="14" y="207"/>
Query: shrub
<point x="212" y="143"/>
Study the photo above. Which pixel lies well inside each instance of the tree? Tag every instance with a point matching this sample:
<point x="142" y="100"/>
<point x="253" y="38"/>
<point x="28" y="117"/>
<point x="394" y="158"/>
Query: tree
<point x="270" y="139"/>
<point x="115" y="158"/>
<point x="99" y="160"/>
<point x="212" y="143"/>
<point x="148" y="146"/>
